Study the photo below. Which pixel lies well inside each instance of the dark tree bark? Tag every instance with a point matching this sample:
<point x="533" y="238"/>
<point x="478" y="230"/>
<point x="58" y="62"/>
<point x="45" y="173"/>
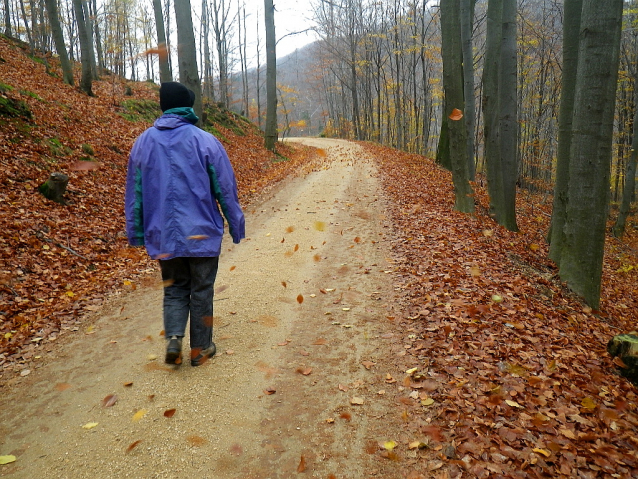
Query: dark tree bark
<point x="58" y="39"/>
<point x="452" y="54"/>
<point x="571" y="31"/>
<point x="467" y="20"/>
<point x="86" y="82"/>
<point x="164" y="68"/>
<point x="271" y="76"/>
<point x="491" y="128"/>
<point x="187" y="53"/>
<point x="7" y="18"/>
<point x="590" y="154"/>
<point x="508" y="116"/>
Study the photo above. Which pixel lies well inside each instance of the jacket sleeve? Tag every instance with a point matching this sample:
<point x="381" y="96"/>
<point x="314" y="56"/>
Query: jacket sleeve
<point x="224" y="189"/>
<point x="133" y="202"/>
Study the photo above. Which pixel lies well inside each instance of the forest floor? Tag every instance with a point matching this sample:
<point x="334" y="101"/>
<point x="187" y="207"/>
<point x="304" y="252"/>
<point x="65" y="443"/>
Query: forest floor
<point x="364" y="328"/>
<point x="350" y="345"/>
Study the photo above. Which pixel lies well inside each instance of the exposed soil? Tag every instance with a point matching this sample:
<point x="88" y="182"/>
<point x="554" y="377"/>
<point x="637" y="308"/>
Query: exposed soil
<point x="302" y="327"/>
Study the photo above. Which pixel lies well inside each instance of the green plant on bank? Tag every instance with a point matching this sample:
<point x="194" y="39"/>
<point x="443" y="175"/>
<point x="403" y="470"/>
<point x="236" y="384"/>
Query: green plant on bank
<point x="5" y="88"/>
<point x="31" y="94"/>
<point x="280" y="158"/>
<point x="88" y="149"/>
<point x="140" y="110"/>
<point x="57" y="148"/>
<point x="14" y="108"/>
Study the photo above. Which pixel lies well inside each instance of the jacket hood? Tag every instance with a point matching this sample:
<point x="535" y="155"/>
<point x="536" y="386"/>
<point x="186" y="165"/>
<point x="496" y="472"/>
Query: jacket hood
<point x="170" y="121"/>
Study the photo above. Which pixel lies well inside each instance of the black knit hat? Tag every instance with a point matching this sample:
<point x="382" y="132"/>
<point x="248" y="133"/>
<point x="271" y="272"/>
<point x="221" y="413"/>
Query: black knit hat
<point x="175" y="95"/>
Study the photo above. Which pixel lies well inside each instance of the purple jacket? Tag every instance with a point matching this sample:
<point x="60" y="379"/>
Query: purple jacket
<point x="177" y="175"/>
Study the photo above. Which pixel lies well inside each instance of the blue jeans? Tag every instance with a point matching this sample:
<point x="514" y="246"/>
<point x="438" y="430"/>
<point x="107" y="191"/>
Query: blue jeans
<point x="188" y="288"/>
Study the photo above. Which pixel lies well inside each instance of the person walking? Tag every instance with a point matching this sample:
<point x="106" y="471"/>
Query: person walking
<point x="178" y="178"/>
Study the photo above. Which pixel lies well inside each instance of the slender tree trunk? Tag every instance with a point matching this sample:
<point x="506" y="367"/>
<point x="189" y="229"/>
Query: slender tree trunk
<point x="467" y="20"/>
<point x="508" y="116"/>
<point x="271" y="76"/>
<point x="187" y="52"/>
<point x="89" y="31"/>
<point x="590" y="153"/>
<point x="58" y="38"/>
<point x="491" y="128"/>
<point x="7" y="18"/>
<point x="98" y="39"/>
<point x="164" y="68"/>
<point x="451" y="51"/>
<point x="87" y="77"/>
<point x="571" y="31"/>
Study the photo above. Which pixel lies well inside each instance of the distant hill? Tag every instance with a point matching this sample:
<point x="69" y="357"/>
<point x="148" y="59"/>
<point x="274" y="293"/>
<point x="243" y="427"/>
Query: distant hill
<point x="300" y="90"/>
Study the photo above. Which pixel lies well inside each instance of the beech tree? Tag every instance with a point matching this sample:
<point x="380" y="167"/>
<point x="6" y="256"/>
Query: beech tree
<point x="58" y="38"/>
<point x="271" y="76"/>
<point x="451" y="51"/>
<point x="86" y="81"/>
<point x="187" y="53"/>
<point x="164" y="67"/>
<point x="581" y="255"/>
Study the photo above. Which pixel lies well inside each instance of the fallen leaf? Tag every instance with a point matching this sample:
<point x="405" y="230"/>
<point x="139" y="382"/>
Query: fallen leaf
<point x="132" y="446"/>
<point x="567" y="433"/>
<point x="232" y="268"/>
<point x="427" y="402"/>
<point x="25" y="372"/>
<point x="128" y="384"/>
<point x="513" y="403"/>
<point x="89" y="425"/>
<point x="7" y="459"/>
<point x="544" y="452"/>
<point x="300" y="299"/>
<point x="304" y="371"/>
<point x="367" y="364"/>
<point x="302" y="464"/>
<point x="417" y="445"/>
<point x="269" y="391"/>
<point x="109" y="400"/>
<point x="389" y="445"/>
<point x="456" y="115"/>
<point x="139" y="415"/>
<point x="320" y="226"/>
<point x="588" y="403"/>
<point x="356" y="401"/>
<point x="62" y="386"/>
<point x="343" y="388"/>
<point x="284" y="284"/>
<point x="320" y="342"/>
<point x="169" y="412"/>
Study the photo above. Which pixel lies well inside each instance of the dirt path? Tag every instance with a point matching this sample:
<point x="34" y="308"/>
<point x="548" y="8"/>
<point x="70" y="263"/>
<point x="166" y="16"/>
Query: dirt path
<point x="301" y="309"/>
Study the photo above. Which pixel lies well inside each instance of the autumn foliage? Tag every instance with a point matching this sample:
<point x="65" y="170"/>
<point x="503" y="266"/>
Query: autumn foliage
<point x="59" y="262"/>
<point x="509" y="367"/>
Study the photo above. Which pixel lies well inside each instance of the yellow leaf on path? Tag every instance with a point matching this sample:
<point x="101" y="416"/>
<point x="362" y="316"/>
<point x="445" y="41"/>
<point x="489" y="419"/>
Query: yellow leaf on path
<point x="513" y="403"/>
<point x="139" y="415"/>
<point x="152" y="357"/>
<point x="70" y="294"/>
<point x="411" y="371"/>
<point x="389" y="445"/>
<point x="7" y="459"/>
<point x="588" y="403"/>
<point x="89" y="425"/>
<point x="427" y="402"/>
<point x="7" y="335"/>
<point x="543" y="452"/>
<point x="497" y="298"/>
<point x="567" y="433"/>
<point x="320" y="226"/>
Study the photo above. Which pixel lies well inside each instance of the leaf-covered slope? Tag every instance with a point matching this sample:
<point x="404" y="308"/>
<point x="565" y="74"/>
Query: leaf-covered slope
<point x="58" y="261"/>
<point x="511" y="377"/>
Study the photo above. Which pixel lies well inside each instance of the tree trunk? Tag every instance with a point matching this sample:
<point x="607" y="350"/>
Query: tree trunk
<point x="625" y="347"/>
<point x="58" y="38"/>
<point x="590" y="153"/>
<point x="98" y="40"/>
<point x="451" y="51"/>
<point x="55" y="187"/>
<point x="86" y="82"/>
<point x="571" y="30"/>
<point x="271" y="76"/>
<point x="7" y="18"/>
<point x="491" y="128"/>
<point x="164" y="69"/>
<point x="467" y="20"/>
<point x="187" y="53"/>
<point x="508" y="116"/>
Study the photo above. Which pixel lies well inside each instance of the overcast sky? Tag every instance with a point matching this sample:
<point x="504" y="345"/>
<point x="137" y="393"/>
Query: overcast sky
<point x="290" y="16"/>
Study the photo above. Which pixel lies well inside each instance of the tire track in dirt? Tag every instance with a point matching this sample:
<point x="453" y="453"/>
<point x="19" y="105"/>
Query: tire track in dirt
<point x="320" y="237"/>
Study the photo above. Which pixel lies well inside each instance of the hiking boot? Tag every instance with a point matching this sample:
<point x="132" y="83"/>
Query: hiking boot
<point x="174" y="350"/>
<point x="203" y="355"/>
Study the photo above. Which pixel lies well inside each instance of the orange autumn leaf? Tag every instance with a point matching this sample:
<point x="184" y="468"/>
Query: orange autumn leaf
<point x="456" y="114"/>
